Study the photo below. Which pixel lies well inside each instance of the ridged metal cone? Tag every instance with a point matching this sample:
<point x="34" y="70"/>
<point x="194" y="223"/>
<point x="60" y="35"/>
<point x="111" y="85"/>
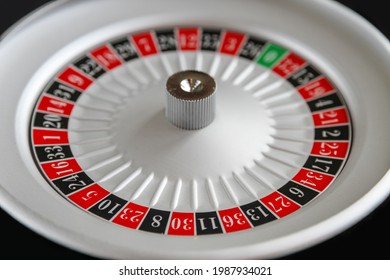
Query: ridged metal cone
<point x="194" y="106"/>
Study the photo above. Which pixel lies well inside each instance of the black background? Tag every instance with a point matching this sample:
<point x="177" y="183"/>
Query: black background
<point x="368" y="240"/>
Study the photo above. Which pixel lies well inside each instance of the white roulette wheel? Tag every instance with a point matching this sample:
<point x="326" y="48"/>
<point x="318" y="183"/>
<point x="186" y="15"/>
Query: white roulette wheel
<point x="193" y="129"/>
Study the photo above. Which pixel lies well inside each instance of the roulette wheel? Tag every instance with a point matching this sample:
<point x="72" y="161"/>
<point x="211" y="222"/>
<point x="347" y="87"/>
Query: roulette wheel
<point x="170" y="129"/>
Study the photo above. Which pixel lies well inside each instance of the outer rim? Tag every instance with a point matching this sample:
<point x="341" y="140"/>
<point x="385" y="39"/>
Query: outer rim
<point x="365" y="204"/>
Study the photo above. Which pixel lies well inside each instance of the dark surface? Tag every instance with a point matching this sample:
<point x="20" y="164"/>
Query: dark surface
<point x="368" y="240"/>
